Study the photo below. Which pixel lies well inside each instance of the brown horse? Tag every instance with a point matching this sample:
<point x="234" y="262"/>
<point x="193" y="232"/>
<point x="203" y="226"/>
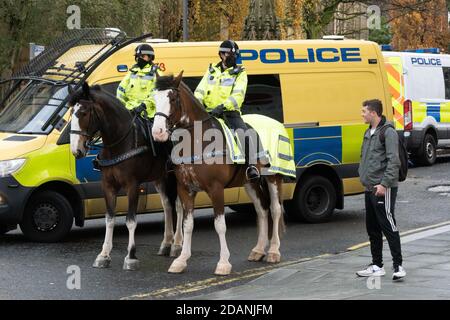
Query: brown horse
<point x="178" y="109"/>
<point x="125" y="161"/>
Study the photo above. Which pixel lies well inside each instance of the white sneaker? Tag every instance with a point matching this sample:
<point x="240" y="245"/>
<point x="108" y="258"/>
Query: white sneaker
<point x="399" y="274"/>
<point x="372" y="271"/>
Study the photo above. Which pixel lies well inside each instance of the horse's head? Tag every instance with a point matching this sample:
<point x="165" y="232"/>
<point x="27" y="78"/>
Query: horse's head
<point x="85" y="122"/>
<point x="168" y="107"/>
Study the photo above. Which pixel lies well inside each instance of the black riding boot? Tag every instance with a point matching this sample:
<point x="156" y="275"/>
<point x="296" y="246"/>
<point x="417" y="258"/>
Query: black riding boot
<point x="235" y="122"/>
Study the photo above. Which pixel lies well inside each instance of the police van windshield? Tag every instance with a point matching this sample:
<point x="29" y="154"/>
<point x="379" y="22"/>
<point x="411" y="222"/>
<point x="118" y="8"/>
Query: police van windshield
<point x="32" y="107"/>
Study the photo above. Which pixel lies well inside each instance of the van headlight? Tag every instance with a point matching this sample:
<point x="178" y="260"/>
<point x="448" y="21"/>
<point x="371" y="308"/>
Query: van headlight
<point x="8" y="167"/>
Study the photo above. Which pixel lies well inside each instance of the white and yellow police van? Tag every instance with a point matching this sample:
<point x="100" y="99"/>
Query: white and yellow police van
<point x="315" y="87"/>
<point x="419" y="83"/>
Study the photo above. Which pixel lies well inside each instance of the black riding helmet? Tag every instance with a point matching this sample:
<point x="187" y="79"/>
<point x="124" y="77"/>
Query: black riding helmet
<point x="231" y="47"/>
<point x="144" y="49"/>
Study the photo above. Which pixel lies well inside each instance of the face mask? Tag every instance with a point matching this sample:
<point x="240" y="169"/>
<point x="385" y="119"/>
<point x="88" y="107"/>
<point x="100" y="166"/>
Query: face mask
<point x="230" y="61"/>
<point x="141" y="62"/>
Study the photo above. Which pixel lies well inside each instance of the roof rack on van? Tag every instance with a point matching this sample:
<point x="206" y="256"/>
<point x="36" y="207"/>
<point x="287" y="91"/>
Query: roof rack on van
<point x="333" y="37"/>
<point x="425" y="50"/>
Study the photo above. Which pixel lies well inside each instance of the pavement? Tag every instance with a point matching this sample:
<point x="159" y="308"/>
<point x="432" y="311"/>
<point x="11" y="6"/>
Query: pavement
<point x="426" y="259"/>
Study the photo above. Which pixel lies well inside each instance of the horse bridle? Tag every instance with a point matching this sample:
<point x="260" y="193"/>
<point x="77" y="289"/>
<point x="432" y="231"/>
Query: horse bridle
<point x="172" y="128"/>
<point x="88" y="143"/>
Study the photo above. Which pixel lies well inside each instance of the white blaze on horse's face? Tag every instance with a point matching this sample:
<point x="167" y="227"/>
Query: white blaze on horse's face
<point x="162" y="103"/>
<point x="76" y="140"/>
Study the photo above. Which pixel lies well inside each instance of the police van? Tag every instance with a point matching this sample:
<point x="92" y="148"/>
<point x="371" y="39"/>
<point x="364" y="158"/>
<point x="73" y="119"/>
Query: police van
<point x="419" y="83"/>
<point x="314" y="87"/>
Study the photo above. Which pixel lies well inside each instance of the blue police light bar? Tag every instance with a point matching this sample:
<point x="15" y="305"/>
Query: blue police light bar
<point x="425" y="50"/>
<point x="386" y="47"/>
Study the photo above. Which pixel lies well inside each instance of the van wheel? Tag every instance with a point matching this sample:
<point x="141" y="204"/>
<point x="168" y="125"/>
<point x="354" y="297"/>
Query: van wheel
<point x="48" y="217"/>
<point x="314" y="201"/>
<point x="427" y="152"/>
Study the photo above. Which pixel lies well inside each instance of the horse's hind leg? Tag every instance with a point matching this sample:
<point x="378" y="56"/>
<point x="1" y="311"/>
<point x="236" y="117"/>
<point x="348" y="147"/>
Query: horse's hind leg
<point x="187" y="199"/>
<point x="274" y="184"/>
<point x="162" y="188"/>
<point x="131" y="262"/>
<point x="217" y="196"/>
<point x="262" y="209"/>
<point x="103" y="260"/>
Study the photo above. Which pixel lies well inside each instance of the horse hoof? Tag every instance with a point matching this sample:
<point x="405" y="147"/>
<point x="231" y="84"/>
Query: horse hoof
<point x="175" y="251"/>
<point x="102" y="262"/>
<point x="255" y="256"/>
<point x="131" y="264"/>
<point x="177" y="267"/>
<point x="223" y="269"/>
<point x="273" y="258"/>
<point x="164" y="250"/>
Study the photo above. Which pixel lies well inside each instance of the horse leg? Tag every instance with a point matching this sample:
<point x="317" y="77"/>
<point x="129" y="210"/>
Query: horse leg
<point x="178" y="239"/>
<point x="274" y="186"/>
<point x="131" y="262"/>
<point x="262" y="210"/>
<point x="187" y="200"/>
<point x="166" y="244"/>
<point x="223" y="266"/>
<point x="103" y="260"/>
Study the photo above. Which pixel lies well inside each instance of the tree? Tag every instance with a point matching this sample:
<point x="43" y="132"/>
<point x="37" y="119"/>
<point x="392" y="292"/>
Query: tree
<point x="422" y="28"/>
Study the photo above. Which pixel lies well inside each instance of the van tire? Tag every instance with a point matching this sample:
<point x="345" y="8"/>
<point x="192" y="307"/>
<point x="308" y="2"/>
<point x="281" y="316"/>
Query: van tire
<point x="48" y="217"/>
<point x="427" y="152"/>
<point x="314" y="200"/>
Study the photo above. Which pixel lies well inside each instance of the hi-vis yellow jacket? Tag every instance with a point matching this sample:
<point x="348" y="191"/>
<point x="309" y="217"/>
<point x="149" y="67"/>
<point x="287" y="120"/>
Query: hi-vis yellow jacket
<point x="227" y="88"/>
<point x="137" y="87"/>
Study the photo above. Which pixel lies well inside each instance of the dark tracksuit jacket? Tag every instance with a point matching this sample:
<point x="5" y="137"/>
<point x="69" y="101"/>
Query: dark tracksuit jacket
<point x="380" y="164"/>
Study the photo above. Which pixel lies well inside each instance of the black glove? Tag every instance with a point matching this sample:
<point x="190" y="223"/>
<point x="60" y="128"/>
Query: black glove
<point x="217" y="111"/>
<point x="141" y="108"/>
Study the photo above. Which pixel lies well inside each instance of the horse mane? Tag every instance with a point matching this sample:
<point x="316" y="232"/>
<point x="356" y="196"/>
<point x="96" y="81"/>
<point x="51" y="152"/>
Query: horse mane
<point x="97" y="94"/>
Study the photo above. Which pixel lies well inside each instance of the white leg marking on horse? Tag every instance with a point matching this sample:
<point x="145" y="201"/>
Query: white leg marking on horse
<point x="179" y="231"/>
<point x="262" y="220"/>
<point x="107" y="244"/>
<point x="180" y="263"/>
<point x="223" y="266"/>
<point x="131" y="225"/>
<point x="75" y="125"/>
<point x="168" y="222"/>
<point x="275" y="209"/>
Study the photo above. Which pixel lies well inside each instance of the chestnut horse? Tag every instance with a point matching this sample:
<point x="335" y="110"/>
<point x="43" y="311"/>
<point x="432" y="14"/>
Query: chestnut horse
<point x="178" y="109"/>
<point x="125" y="161"/>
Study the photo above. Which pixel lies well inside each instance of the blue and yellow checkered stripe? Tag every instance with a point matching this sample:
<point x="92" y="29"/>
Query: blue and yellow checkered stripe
<point x="440" y="111"/>
<point x="332" y="145"/>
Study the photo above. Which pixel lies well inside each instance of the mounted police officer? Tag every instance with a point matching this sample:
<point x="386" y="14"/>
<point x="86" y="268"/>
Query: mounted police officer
<point x="135" y="90"/>
<point x="222" y="92"/>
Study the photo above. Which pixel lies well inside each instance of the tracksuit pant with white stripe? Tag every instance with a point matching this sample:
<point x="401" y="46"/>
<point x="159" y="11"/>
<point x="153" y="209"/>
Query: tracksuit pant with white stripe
<point x="380" y="220"/>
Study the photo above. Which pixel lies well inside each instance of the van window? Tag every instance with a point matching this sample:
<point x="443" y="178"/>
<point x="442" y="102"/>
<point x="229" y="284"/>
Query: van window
<point x="263" y="95"/>
<point x="111" y="87"/>
<point x="446" y="71"/>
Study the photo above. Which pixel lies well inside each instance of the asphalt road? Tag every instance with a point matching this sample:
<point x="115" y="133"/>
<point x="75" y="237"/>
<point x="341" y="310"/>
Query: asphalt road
<point x="39" y="271"/>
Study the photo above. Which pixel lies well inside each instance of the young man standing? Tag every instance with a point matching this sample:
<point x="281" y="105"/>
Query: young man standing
<point x="378" y="172"/>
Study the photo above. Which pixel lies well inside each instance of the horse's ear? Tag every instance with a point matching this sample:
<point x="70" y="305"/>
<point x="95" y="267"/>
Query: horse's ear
<point x="70" y="90"/>
<point x="178" y="79"/>
<point x="86" y="89"/>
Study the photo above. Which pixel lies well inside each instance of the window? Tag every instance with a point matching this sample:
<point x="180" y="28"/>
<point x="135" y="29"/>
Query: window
<point x="111" y="88"/>
<point x="446" y="71"/>
<point x="264" y="96"/>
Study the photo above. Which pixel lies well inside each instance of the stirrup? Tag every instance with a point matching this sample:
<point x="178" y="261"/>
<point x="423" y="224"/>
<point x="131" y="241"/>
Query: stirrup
<point x="254" y="177"/>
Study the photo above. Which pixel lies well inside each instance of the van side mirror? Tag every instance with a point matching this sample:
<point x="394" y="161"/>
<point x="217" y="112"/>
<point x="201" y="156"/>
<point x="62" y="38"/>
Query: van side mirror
<point x="122" y="68"/>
